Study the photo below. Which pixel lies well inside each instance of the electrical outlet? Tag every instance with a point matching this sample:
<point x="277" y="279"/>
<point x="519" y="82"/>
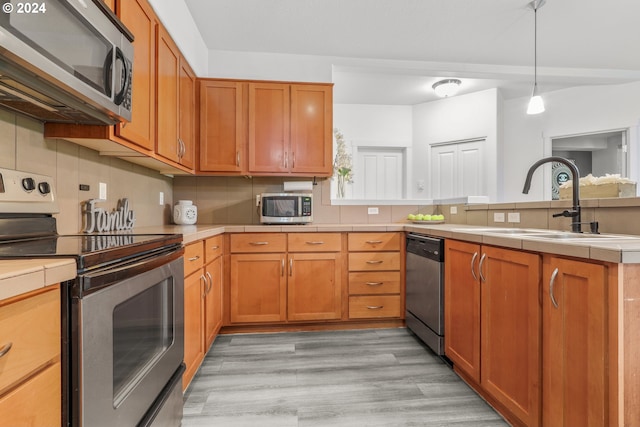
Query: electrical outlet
<point x="421" y="185"/>
<point x="257" y="200"/>
<point x="161" y="199"/>
<point x="498" y="217"/>
<point x="513" y="216"/>
<point x="372" y="211"/>
<point x="102" y="191"/>
<point x="453" y="210"/>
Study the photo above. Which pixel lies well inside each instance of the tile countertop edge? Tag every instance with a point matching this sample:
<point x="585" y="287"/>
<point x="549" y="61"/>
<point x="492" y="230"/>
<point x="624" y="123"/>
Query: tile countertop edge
<point x="627" y="253"/>
<point x="25" y="275"/>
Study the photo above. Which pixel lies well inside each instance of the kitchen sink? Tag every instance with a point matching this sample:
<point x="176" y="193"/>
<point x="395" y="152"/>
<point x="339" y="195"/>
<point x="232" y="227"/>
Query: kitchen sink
<point x="581" y="236"/>
<point x="499" y="230"/>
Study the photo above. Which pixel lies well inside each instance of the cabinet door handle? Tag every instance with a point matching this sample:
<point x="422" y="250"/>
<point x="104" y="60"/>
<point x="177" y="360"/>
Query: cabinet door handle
<point x="237" y="158"/>
<point x="375" y="262"/>
<point x="215" y="248"/>
<point x="282" y="268"/>
<point x="473" y="263"/>
<point x="290" y="266"/>
<point x="317" y="242"/>
<point x="194" y="258"/>
<point x="551" y="283"/>
<point x="293" y="165"/>
<point x="258" y="243"/>
<point x="286" y="160"/>
<point x="204" y="280"/>
<point x="5" y="348"/>
<point x="374" y="307"/>
<point x="482" y="258"/>
<point x="373" y="242"/>
<point x="210" y="281"/>
<point x="374" y="283"/>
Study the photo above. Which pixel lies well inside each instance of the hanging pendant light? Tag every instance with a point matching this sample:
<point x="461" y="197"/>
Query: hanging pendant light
<point x="536" y="104"/>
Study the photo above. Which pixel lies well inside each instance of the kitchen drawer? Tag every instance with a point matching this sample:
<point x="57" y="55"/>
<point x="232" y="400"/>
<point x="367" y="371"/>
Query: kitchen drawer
<point x="374" y="306"/>
<point x="213" y="248"/>
<point x="374" y="261"/>
<point x="383" y="282"/>
<point x="258" y="242"/>
<point x="193" y="257"/>
<point x="35" y="402"/>
<point x="32" y="327"/>
<point x="383" y="241"/>
<point x="314" y="242"/>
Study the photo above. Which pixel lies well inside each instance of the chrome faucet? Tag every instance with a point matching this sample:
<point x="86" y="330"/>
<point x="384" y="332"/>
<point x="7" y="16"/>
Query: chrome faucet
<point x="574" y="213"/>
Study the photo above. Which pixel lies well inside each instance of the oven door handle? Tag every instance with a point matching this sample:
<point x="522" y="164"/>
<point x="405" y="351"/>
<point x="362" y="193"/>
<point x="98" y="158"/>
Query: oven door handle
<point x="94" y="280"/>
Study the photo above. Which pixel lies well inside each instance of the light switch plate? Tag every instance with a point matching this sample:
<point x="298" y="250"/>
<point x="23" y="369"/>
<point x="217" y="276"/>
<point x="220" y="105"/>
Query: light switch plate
<point x="161" y="198"/>
<point x="453" y="210"/>
<point x="102" y="191"/>
<point x="372" y="211"/>
<point x="498" y="217"/>
<point x="513" y="217"/>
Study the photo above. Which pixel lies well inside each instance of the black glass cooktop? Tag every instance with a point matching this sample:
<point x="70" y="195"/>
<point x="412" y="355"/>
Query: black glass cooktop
<point x="88" y="249"/>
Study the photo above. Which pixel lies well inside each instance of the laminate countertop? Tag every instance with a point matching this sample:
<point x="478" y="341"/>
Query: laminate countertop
<point x="21" y="276"/>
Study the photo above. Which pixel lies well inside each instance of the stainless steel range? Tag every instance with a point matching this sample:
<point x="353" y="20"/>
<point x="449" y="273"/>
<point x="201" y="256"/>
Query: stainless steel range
<point x="122" y="316"/>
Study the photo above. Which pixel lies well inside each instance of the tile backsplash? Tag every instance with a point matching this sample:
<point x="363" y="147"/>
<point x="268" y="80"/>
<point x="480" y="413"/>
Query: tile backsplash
<point x="23" y="147"/>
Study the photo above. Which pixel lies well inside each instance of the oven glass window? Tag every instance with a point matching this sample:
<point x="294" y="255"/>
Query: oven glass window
<point x="280" y="207"/>
<point x="142" y="332"/>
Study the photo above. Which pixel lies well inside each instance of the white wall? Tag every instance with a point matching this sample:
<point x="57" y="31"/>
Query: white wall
<point x="458" y="118"/>
<point x="568" y="112"/>
<point x="177" y="19"/>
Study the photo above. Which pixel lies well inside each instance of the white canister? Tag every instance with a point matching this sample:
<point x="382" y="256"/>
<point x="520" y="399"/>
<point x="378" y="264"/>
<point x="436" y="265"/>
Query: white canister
<point x="185" y="213"/>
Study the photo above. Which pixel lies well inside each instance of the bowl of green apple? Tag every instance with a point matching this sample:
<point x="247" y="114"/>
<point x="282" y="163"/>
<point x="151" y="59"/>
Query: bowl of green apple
<point x="426" y="219"/>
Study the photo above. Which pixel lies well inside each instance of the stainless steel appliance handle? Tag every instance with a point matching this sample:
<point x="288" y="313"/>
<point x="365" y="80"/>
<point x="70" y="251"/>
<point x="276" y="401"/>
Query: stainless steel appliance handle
<point x="482" y="258"/>
<point x="119" y="97"/>
<point x="551" y="284"/>
<point x="473" y="263"/>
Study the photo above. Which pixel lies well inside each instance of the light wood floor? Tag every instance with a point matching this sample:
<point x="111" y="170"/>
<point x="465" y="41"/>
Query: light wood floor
<point x="382" y="377"/>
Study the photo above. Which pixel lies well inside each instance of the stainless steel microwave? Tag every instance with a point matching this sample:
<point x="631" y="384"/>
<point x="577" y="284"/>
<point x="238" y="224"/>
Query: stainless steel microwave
<point x="286" y="208"/>
<point x="65" y="61"/>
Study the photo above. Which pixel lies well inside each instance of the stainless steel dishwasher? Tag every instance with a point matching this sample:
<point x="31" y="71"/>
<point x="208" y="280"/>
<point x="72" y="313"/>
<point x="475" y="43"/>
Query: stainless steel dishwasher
<point x="425" y="293"/>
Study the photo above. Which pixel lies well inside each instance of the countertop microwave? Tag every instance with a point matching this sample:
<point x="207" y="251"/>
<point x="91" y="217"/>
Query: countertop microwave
<point x="286" y="208"/>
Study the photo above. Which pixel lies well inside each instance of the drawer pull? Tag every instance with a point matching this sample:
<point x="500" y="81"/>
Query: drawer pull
<point x="258" y="243"/>
<point x="374" y="307"/>
<point x="215" y="248"/>
<point x="374" y="283"/>
<point x="317" y="242"/>
<point x="194" y="258"/>
<point x="5" y="349"/>
<point x="373" y="242"/>
<point x="375" y="262"/>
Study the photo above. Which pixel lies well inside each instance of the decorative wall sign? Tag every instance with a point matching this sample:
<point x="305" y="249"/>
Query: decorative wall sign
<point x="98" y="219"/>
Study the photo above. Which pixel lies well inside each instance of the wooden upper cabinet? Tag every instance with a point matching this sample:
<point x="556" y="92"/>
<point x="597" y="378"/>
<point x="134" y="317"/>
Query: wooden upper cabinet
<point x="222" y="135"/>
<point x="187" y="115"/>
<point x="139" y="18"/>
<point x="269" y="131"/>
<point x="167" y="72"/>
<point x="311" y="129"/>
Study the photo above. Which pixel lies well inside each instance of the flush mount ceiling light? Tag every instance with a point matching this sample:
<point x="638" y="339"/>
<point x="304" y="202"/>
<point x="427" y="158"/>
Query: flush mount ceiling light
<point x="446" y="87"/>
<point x="536" y="104"/>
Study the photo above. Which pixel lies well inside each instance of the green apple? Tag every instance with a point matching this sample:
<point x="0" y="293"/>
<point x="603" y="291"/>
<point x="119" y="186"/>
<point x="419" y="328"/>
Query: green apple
<point x="411" y="217"/>
<point x="428" y="217"/>
<point x="420" y="217"/>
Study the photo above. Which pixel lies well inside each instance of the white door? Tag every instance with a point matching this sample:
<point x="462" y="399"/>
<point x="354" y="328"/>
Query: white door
<point x="378" y="173"/>
<point x="456" y="170"/>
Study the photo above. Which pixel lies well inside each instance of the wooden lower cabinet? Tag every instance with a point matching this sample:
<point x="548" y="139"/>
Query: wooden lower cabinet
<point x="314" y="286"/>
<point x="213" y="300"/>
<point x="194" y="348"/>
<point x="492" y="324"/>
<point x="30" y="376"/>
<point x="575" y="357"/>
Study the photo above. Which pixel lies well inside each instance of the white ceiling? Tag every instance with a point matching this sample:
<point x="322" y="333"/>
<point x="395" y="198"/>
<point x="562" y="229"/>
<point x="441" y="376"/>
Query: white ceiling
<point x="396" y="48"/>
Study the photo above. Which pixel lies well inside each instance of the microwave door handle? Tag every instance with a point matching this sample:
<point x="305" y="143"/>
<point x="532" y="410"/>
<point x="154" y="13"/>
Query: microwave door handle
<point x="119" y="97"/>
<point x="107" y="73"/>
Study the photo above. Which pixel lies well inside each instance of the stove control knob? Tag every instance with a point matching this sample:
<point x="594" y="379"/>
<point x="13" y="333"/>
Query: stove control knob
<point x="28" y="184"/>
<point x="44" y="188"/>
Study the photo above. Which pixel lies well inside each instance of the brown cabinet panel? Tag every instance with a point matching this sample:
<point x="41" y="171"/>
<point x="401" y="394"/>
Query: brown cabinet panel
<point x="374" y="306"/>
<point x="379" y="282"/>
<point x="186" y="115"/>
<point x="193" y="257"/>
<point x="269" y="129"/>
<point x="167" y="71"/>
<point x="384" y="241"/>
<point x="258" y="242"/>
<point x="194" y="294"/>
<point x="374" y="261"/>
<point x="311" y="131"/>
<point x="314" y="286"/>
<point x="213" y="300"/>
<point x="258" y="290"/>
<point x="462" y="306"/>
<point x="140" y="19"/>
<point x="575" y="359"/>
<point x="314" y="242"/>
<point x="222" y="133"/>
<point x="213" y="247"/>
